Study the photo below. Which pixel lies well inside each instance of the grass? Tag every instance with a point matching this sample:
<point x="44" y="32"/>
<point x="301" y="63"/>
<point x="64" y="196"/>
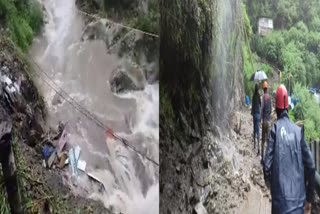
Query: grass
<point x="4" y="207"/>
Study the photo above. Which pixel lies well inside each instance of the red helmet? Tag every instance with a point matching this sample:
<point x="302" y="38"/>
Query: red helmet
<point x="282" y="97"/>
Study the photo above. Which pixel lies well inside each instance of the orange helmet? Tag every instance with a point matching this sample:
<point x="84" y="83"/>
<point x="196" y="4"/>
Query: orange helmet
<point x="265" y="85"/>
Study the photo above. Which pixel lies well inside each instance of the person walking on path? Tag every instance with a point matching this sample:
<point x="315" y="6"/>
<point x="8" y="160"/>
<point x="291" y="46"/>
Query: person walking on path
<point x="265" y="117"/>
<point x="288" y="165"/>
<point x="255" y="112"/>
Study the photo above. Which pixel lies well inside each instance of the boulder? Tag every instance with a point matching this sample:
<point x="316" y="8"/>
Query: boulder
<point x="130" y="79"/>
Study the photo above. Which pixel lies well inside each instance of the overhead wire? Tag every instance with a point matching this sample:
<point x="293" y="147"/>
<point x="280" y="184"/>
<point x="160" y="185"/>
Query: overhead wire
<point x="117" y="23"/>
<point x="64" y="95"/>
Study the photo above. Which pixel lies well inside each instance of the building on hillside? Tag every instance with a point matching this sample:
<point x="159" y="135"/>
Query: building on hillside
<point x="265" y="25"/>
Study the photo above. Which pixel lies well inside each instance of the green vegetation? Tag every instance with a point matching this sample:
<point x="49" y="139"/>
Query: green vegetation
<point x="251" y="60"/>
<point x="4" y="208"/>
<point x="293" y="47"/>
<point x="186" y="54"/>
<point x="294" y="44"/>
<point x="149" y="21"/>
<point x="23" y="19"/>
<point x="130" y="12"/>
<point x="123" y="4"/>
<point x="307" y="110"/>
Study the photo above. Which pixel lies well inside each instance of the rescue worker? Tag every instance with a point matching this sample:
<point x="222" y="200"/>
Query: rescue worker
<point x="265" y="117"/>
<point x="7" y="163"/>
<point x="288" y="164"/>
<point x="255" y="112"/>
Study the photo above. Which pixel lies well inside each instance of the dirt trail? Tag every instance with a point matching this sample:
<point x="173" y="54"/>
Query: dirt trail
<point x="257" y="199"/>
<point x="256" y="202"/>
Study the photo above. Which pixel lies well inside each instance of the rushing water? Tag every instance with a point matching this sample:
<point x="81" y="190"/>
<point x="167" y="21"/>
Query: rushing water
<point x="82" y="69"/>
<point x="227" y="63"/>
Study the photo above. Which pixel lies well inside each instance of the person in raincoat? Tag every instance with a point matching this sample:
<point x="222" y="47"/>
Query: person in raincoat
<point x="255" y="112"/>
<point x="288" y="165"/>
<point x="265" y="117"/>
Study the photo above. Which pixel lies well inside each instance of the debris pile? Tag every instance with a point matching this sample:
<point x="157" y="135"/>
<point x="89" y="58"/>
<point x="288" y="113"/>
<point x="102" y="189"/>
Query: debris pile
<point x="58" y="152"/>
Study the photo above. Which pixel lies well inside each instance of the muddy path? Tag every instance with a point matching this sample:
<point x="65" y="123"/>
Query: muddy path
<point x="257" y="200"/>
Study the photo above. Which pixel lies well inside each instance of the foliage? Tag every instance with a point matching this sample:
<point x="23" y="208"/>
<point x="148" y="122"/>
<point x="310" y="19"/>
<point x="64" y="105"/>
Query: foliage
<point x="291" y="115"/>
<point x="294" y="70"/>
<point x="267" y="69"/>
<point x="270" y="47"/>
<point x="249" y="67"/>
<point x="23" y="20"/>
<point x="4" y="208"/>
<point x="294" y="45"/>
<point x="247" y="25"/>
<point x="286" y="12"/>
<point x="125" y="4"/>
<point x="149" y="21"/>
<point x="307" y="110"/>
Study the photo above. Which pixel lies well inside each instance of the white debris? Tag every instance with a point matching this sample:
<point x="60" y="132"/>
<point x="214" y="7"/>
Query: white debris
<point x="82" y="165"/>
<point x="10" y="89"/>
<point x="6" y="80"/>
<point x="200" y="209"/>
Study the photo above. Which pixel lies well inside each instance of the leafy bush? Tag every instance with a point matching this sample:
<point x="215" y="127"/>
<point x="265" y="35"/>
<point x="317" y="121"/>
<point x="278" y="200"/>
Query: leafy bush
<point x="267" y="69"/>
<point x="271" y="47"/>
<point x="149" y="21"/>
<point x="294" y="69"/>
<point x="307" y="110"/>
<point x="247" y="25"/>
<point x="23" y="19"/>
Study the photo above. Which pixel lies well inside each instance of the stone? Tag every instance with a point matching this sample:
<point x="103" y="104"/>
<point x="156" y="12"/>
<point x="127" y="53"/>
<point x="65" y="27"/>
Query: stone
<point x="151" y="72"/>
<point x="123" y="80"/>
<point x="178" y="169"/>
<point x="56" y="99"/>
<point x="200" y="209"/>
<point x="247" y="187"/>
<point x="216" y="132"/>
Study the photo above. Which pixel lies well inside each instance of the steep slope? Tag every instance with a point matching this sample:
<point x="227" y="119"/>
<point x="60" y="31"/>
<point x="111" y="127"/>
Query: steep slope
<point x="201" y="85"/>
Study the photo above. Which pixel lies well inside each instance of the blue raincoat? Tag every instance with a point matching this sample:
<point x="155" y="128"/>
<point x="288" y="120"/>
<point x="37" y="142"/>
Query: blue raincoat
<point x="287" y="163"/>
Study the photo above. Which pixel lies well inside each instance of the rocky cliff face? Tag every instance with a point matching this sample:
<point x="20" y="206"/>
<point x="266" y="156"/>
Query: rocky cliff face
<point x="201" y="85"/>
<point x="186" y="52"/>
<point x="18" y="95"/>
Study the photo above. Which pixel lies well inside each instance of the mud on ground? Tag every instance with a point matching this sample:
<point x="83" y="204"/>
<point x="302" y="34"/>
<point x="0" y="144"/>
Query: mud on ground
<point x="219" y="174"/>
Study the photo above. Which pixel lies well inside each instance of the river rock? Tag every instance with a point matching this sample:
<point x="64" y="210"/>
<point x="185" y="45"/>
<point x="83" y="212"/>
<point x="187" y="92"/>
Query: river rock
<point x="151" y="72"/>
<point x="130" y="79"/>
<point x="56" y="99"/>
